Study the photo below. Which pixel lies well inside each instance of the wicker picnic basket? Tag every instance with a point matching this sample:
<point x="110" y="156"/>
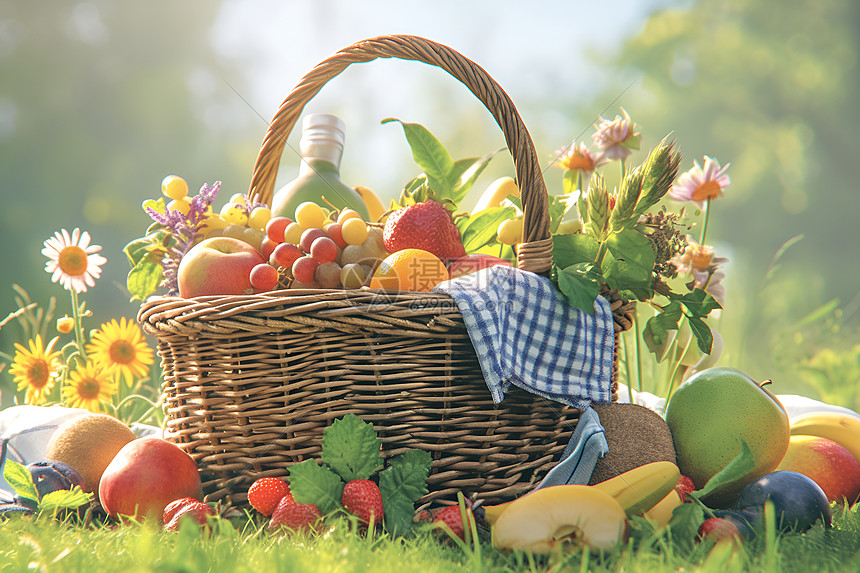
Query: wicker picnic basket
<point x="251" y="381"/>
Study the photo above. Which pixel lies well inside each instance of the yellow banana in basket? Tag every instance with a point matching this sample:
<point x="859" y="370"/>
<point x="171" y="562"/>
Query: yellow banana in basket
<point x="374" y="205"/>
<point x="841" y="428"/>
<point x="636" y="491"/>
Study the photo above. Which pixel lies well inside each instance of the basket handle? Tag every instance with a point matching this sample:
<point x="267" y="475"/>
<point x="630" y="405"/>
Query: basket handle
<point x="535" y="254"/>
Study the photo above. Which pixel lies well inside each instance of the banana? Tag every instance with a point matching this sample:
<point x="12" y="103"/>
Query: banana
<point x="636" y="491"/>
<point x="374" y="205"/>
<point x="843" y="429"/>
<point x="639" y="489"/>
<point x="495" y="193"/>
<point x="661" y="513"/>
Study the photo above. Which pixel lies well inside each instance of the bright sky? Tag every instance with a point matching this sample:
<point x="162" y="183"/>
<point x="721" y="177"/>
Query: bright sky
<point x="537" y="51"/>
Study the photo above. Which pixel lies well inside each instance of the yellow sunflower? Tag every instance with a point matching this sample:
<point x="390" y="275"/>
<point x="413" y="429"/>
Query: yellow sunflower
<point x="89" y="387"/>
<point x="35" y="369"/>
<point x="121" y="349"/>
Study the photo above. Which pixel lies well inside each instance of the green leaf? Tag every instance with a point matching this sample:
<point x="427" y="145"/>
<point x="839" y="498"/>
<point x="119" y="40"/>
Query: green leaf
<point x="572" y="182"/>
<point x="629" y="263"/>
<point x="572" y="249"/>
<point x="480" y="229"/>
<point x="312" y="483"/>
<point x="401" y="485"/>
<point x="155" y="204"/>
<point x="351" y="448"/>
<point x="20" y="479"/>
<point x="137" y="250"/>
<point x="656" y="331"/>
<point x="703" y="334"/>
<point x="516" y="201"/>
<point x="684" y="523"/>
<point x="580" y="285"/>
<point x="144" y="278"/>
<point x="699" y="303"/>
<point x="430" y="155"/>
<point x="557" y="209"/>
<point x="65" y="498"/>
<point x="736" y="469"/>
<point x="465" y="172"/>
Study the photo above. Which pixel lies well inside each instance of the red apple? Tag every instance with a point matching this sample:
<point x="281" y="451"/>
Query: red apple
<point x="827" y="463"/>
<point x="217" y="266"/>
<point x="474" y="262"/>
<point x="145" y="476"/>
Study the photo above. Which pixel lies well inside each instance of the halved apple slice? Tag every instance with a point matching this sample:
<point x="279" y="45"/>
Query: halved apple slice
<point x="578" y="514"/>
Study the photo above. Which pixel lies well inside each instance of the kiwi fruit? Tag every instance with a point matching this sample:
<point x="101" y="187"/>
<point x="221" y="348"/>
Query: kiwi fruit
<point x="89" y="443"/>
<point x="636" y="436"/>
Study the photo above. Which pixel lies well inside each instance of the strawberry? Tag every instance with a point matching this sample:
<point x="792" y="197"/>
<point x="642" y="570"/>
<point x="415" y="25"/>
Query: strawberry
<point x="717" y="528"/>
<point x="186" y="506"/>
<point x="683" y="487"/>
<point x="362" y="498"/>
<point x="295" y="516"/>
<point x="426" y="225"/>
<point x="450" y="516"/>
<point x="265" y="493"/>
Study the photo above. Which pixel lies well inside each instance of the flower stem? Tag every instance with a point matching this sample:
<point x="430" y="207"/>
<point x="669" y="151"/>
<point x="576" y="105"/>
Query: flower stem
<point x="705" y="224"/>
<point x="638" y="349"/>
<point x="79" y="329"/>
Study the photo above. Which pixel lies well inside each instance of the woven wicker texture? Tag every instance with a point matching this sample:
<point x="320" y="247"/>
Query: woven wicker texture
<point x="250" y="382"/>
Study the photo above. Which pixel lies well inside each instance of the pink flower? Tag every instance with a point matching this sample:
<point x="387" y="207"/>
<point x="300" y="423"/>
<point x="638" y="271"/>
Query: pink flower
<point x="579" y="158"/>
<point x="617" y="138"/>
<point x="711" y="281"/>
<point x="696" y="258"/>
<point x="698" y="184"/>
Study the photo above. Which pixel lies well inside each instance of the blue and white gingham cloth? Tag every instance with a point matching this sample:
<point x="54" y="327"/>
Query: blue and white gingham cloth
<point x="526" y="334"/>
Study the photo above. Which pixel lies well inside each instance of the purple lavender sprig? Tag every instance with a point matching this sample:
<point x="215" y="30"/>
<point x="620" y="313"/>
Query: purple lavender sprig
<point x="182" y="228"/>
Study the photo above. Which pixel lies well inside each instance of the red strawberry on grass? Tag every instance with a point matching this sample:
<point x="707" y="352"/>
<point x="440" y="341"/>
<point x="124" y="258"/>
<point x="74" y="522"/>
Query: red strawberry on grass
<point x="362" y="498"/>
<point x="426" y="225"/>
<point x="717" y="529"/>
<point x="683" y="487"/>
<point x="450" y="516"/>
<point x="265" y="493"/>
<point x="186" y="507"/>
<point x="295" y="516"/>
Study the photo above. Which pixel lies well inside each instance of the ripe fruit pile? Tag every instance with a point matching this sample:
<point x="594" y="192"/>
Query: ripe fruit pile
<point x="413" y="250"/>
<point x="348" y="480"/>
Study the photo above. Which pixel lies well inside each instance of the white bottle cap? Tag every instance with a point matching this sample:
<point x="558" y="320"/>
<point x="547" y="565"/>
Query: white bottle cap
<point x="323" y="135"/>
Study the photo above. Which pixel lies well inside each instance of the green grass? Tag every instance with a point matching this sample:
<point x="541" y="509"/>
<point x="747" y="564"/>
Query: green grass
<point x="244" y="545"/>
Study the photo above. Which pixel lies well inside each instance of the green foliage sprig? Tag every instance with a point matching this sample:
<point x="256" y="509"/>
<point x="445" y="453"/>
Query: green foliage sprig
<point x="351" y="450"/>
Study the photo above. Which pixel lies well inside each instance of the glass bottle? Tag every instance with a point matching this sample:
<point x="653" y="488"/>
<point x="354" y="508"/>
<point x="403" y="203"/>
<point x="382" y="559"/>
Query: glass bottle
<point x="321" y="147"/>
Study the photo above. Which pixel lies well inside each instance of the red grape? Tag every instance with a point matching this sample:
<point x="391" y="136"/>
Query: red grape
<point x="335" y="234"/>
<point x="275" y="228"/>
<point x="267" y="247"/>
<point x="264" y="277"/>
<point x="304" y="269"/>
<point x="323" y="250"/>
<point x="285" y="255"/>
<point x="308" y="237"/>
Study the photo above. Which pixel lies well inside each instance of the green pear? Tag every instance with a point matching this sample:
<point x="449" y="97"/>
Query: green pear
<point x="710" y="415"/>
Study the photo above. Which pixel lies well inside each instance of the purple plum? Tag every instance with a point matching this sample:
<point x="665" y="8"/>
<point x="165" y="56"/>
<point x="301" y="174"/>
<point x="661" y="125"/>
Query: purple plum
<point x="798" y="501"/>
<point x="50" y="475"/>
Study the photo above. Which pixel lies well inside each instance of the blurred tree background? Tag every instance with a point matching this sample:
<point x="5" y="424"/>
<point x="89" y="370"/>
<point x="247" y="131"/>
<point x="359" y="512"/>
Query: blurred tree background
<point x="99" y="101"/>
<point x="771" y="88"/>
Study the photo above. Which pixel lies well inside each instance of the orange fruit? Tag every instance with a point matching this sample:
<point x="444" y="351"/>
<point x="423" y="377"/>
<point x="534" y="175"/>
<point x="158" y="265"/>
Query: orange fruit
<point x="409" y="269"/>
